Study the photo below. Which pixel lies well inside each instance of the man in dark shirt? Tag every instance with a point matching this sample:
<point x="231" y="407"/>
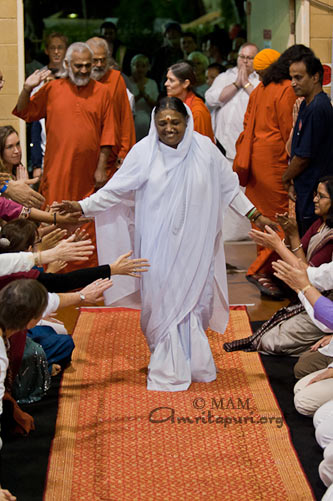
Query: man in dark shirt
<point x="312" y="141"/>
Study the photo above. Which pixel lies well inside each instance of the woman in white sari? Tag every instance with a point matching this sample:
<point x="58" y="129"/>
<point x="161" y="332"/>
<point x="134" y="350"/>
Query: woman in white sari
<point x="180" y="186"/>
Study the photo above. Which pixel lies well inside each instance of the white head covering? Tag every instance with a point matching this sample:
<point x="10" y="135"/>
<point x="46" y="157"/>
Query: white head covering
<point x="180" y="197"/>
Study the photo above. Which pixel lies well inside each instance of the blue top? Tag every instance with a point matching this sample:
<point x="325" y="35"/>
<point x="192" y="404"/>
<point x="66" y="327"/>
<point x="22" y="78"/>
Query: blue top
<point x="323" y="311"/>
<point x="312" y="138"/>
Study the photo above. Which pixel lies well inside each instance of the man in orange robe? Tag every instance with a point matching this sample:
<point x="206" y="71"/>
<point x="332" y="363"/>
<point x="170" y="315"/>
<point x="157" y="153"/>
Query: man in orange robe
<point x="124" y="123"/>
<point x="79" y="129"/>
<point x="261" y="157"/>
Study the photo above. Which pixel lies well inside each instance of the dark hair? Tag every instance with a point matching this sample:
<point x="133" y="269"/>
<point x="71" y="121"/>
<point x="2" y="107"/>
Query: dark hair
<point x="279" y="70"/>
<point x="184" y="71"/>
<point x="312" y="65"/>
<point x="216" y="66"/>
<point x="171" y="103"/>
<point x="21" y="301"/>
<point x="189" y="34"/>
<point x="108" y="24"/>
<point x="328" y="182"/>
<point x="21" y="233"/>
<point x="5" y="132"/>
<point x="172" y="26"/>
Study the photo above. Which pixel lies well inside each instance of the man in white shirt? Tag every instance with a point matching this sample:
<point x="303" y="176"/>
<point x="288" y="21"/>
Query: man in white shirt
<point x="227" y="101"/>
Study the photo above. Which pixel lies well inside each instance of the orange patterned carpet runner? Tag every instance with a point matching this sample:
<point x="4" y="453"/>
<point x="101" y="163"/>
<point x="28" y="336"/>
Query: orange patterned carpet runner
<point x="114" y="440"/>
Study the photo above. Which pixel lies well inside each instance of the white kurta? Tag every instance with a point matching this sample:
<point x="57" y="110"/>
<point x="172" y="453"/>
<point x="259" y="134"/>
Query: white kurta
<point x="180" y="196"/>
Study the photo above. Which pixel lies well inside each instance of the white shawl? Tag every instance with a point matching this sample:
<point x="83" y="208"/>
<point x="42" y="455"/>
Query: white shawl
<point x="180" y="196"/>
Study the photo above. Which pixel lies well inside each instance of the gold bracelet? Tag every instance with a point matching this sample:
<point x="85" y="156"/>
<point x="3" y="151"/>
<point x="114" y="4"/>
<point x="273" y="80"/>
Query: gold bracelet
<point x="247" y="85"/>
<point x="306" y="288"/>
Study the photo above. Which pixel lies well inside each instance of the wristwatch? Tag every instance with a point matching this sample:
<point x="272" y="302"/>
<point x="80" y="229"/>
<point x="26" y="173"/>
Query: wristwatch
<point x="82" y="297"/>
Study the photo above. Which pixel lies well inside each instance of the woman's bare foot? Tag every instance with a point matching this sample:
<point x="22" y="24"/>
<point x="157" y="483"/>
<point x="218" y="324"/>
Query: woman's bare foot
<point x="56" y="368"/>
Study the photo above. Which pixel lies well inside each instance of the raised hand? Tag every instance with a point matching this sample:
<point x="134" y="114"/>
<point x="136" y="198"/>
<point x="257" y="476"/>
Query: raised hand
<point x="132" y="267"/>
<point x="35" y="79"/>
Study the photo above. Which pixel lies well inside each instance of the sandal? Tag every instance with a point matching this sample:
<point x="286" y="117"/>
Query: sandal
<point x="266" y="285"/>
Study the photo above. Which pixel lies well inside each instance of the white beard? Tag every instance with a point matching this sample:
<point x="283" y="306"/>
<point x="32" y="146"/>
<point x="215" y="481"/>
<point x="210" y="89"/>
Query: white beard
<point x="79" y="81"/>
<point x="98" y="74"/>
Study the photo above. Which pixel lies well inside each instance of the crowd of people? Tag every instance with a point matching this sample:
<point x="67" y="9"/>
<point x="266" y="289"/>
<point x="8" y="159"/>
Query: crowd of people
<point x="146" y="166"/>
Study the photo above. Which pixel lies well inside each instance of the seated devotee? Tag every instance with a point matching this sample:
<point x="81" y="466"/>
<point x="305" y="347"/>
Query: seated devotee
<point x="145" y="93"/>
<point x="21" y="235"/>
<point x="291" y="331"/>
<point x="11" y="154"/>
<point x="178" y="182"/>
<point x="323" y="423"/>
<point x="200" y="64"/>
<point x="316" y="246"/>
<point x="188" y="43"/>
<point x="17" y="314"/>
<point x="180" y="83"/>
<point x="315" y="389"/>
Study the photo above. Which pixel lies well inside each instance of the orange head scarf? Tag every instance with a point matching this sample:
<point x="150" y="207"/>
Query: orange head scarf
<point x="265" y="58"/>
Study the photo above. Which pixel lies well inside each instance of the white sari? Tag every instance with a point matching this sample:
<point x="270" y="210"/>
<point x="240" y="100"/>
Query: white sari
<point x="180" y="196"/>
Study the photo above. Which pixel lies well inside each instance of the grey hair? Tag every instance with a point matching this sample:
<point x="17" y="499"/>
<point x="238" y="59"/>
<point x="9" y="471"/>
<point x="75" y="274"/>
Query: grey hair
<point x="74" y="47"/>
<point x="77" y="47"/>
<point x="139" y="57"/>
<point x="98" y="42"/>
<point x="199" y="55"/>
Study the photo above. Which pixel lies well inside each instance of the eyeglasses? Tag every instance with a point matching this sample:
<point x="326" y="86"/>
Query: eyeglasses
<point x="319" y="195"/>
<point x="245" y="58"/>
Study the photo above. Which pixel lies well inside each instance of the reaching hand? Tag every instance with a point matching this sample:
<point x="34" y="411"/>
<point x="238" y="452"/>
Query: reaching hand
<point x="296" y="278"/>
<point x="94" y="291"/>
<point x="131" y="267"/>
<point x="271" y="239"/>
<point x="68" y="250"/>
<point x="288" y="224"/>
<point x="20" y="192"/>
<point x="52" y="239"/>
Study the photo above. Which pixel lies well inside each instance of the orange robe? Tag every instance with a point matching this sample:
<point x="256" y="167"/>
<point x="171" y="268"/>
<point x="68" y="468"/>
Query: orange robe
<point x="124" y="123"/>
<point x="270" y="109"/>
<point x="201" y="116"/>
<point x="79" y="120"/>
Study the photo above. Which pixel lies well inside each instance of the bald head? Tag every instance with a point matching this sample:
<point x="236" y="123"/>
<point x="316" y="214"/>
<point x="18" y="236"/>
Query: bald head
<point x="101" y="57"/>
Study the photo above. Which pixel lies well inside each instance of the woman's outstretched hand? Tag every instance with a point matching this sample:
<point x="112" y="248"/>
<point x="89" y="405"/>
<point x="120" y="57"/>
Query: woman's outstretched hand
<point x="132" y="267"/>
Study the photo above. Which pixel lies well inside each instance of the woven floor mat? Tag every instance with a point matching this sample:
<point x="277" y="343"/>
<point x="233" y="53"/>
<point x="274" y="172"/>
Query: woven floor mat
<point x="114" y="440"/>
